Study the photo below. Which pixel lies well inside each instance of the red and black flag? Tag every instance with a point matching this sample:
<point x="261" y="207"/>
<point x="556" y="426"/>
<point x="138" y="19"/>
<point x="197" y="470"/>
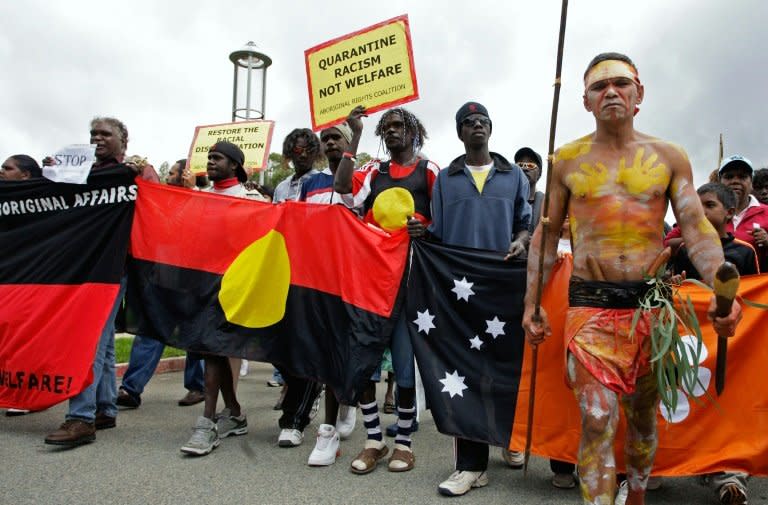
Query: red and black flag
<point x="308" y="287"/>
<point x="465" y="309"/>
<point x="62" y="254"/>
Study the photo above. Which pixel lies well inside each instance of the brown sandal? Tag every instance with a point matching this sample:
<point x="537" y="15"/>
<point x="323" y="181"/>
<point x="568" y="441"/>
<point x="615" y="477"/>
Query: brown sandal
<point x="404" y="456"/>
<point x="370" y="457"/>
<point x="389" y="407"/>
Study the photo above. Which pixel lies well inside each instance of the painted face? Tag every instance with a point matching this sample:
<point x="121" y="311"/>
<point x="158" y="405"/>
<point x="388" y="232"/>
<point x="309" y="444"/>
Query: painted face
<point x="334" y="144"/>
<point x="10" y="171"/>
<point x="107" y="139"/>
<point x="612" y="90"/>
<point x="397" y="137"/>
<point x="714" y="209"/>
<point x="303" y="155"/>
<point x="220" y="167"/>
<point x="612" y="99"/>
<point x="475" y="129"/>
<point x="739" y="180"/>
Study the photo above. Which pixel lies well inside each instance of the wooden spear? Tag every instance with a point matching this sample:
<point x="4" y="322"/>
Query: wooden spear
<point x="545" y="225"/>
<point x="720" y="157"/>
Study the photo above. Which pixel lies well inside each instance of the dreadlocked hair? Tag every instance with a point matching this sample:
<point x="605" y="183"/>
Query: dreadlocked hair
<point x="412" y="125"/>
<point x="313" y="143"/>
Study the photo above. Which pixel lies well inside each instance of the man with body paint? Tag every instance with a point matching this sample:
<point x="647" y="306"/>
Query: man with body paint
<point x="615" y="184"/>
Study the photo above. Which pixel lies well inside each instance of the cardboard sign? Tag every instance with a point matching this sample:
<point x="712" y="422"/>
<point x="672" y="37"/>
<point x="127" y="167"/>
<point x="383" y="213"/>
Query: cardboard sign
<point x="253" y="137"/>
<point x="72" y="164"/>
<point x="371" y="67"/>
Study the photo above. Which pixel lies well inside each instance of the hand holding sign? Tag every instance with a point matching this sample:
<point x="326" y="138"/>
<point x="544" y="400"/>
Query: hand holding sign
<point x="372" y="67"/>
<point x="70" y="164"/>
<point x="354" y="121"/>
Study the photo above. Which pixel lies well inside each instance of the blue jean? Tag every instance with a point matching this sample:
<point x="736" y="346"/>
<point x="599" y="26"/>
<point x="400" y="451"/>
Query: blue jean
<point x="145" y="355"/>
<point x="402" y="355"/>
<point x="101" y="395"/>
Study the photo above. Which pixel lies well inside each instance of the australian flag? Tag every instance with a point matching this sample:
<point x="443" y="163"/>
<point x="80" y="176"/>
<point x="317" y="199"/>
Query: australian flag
<point x="465" y="309"/>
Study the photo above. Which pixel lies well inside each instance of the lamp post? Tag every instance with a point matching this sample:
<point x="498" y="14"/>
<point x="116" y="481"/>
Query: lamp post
<point x="249" y="89"/>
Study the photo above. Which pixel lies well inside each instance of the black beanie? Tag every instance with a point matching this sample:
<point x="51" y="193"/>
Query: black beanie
<point x="467" y="109"/>
<point x="235" y="154"/>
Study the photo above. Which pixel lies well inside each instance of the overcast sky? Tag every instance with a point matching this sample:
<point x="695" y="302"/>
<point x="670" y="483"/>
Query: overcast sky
<point x="163" y="68"/>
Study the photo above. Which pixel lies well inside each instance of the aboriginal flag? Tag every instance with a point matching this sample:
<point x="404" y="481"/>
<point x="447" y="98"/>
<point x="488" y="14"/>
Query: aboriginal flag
<point x="308" y="287"/>
<point x="707" y="433"/>
<point x="464" y="309"/>
<point x="62" y="254"/>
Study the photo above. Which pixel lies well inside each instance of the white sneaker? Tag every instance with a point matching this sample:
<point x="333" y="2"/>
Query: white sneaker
<point x="205" y="438"/>
<point x="290" y="437"/>
<point x="326" y="448"/>
<point x="621" y="496"/>
<point x="459" y="483"/>
<point x="244" y="368"/>
<point x="513" y="459"/>
<point x="345" y="421"/>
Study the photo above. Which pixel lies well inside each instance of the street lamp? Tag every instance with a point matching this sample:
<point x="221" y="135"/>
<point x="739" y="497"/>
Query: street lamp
<point x="249" y="89"/>
<point x="250" y="82"/>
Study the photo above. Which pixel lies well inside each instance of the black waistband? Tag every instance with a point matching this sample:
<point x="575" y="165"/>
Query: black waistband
<point x="606" y="295"/>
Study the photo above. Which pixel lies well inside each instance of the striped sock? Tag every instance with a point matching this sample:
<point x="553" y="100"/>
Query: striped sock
<point x="371" y="420"/>
<point x="404" y="423"/>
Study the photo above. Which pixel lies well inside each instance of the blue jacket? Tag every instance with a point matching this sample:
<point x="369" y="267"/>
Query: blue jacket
<point x="462" y="216"/>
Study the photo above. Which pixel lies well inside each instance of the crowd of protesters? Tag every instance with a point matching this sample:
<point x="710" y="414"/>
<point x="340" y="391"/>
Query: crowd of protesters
<point x="482" y="200"/>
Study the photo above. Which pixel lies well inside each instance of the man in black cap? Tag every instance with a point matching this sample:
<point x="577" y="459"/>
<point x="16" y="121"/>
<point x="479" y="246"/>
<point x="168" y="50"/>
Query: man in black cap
<point x="479" y="201"/>
<point x="530" y="161"/>
<point x="225" y="170"/>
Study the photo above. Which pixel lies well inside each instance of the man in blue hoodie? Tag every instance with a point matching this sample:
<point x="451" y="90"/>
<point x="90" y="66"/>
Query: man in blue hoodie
<point x="479" y="201"/>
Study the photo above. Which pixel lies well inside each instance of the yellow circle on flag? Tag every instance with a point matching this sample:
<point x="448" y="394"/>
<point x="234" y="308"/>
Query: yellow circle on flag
<point x="393" y="207"/>
<point x="254" y="288"/>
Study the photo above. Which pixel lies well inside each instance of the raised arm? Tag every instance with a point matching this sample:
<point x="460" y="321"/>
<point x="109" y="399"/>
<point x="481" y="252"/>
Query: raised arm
<point x="342" y="181"/>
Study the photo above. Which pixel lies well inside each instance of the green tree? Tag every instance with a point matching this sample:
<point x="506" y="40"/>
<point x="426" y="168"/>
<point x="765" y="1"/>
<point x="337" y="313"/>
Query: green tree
<point x="363" y="158"/>
<point x="276" y="170"/>
<point x="162" y="172"/>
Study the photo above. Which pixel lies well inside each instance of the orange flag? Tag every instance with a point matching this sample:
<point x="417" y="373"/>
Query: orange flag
<point x="706" y="434"/>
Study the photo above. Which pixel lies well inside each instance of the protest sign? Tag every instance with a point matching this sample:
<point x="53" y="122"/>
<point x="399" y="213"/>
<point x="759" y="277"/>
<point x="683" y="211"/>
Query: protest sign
<point x="72" y="164"/>
<point x="371" y="67"/>
<point x="253" y="137"/>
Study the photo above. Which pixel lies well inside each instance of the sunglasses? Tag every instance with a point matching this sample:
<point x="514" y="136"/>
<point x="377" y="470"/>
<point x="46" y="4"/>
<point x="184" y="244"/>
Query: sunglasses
<point x="527" y="165"/>
<point x="471" y="121"/>
<point x="298" y="151"/>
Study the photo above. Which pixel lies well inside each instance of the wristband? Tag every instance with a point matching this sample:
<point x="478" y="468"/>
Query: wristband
<point x="348" y="155"/>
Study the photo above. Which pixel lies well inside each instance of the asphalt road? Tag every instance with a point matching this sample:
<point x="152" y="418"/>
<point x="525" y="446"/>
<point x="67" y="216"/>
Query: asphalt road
<point x="139" y="463"/>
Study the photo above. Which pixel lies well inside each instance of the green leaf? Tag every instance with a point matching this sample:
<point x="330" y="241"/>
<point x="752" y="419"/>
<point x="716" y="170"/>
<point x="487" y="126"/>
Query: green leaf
<point x="635" y="319"/>
<point x="698" y="283"/>
<point x="753" y="304"/>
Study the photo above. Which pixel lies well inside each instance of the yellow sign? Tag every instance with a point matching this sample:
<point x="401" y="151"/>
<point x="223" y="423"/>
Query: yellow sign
<point x="253" y="137"/>
<point x="371" y="67"/>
